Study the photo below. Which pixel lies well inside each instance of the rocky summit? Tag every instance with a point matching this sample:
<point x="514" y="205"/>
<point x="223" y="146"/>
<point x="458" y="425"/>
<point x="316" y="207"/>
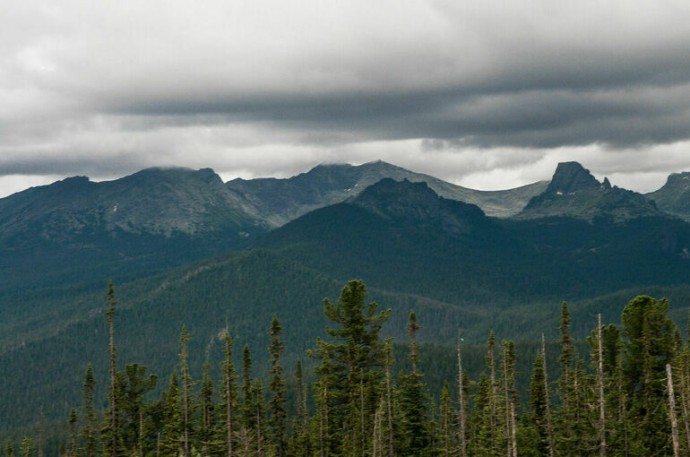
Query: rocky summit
<point x="574" y="192"/>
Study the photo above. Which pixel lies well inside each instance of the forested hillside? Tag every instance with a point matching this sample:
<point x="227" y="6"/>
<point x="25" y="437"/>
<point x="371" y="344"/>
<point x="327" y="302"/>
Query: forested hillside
<point x="462" y="272"/>
<point x="622" y="391"/>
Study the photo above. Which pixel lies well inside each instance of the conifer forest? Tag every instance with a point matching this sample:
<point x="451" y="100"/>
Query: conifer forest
<point x="625" y="391"/>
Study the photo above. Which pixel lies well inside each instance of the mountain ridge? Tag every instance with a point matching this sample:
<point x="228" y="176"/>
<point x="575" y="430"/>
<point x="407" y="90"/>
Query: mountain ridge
<point x="574" y="192"/>
<point x="289" y="198"/>
<point x="457" y="267"/>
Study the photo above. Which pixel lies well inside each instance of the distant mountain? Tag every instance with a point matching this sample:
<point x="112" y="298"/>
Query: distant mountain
<point x="574" y="192"/>
<point x="78" y="232"/>
<point x="674" y="196"/>
<point x="459" y="269"/>
<point x="155" y="201"/>
<point x="404" y="237"/>
<point x="282" y="200"/>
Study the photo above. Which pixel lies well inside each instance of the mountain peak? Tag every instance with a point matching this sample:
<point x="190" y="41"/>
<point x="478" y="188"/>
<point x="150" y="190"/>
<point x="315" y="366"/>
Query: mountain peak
<point x="674" y="196"/>
<point x="574" y="192"/>
<point x="388" y="189"/>
<point x="414" y="201"/>
<point x="679" y="180"/>
<point x="571" y="177"/>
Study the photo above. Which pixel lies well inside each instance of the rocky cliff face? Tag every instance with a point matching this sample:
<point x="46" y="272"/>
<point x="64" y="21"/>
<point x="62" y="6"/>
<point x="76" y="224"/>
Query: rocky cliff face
<point x="574" y="192"/>
<point x="571" y="177"/>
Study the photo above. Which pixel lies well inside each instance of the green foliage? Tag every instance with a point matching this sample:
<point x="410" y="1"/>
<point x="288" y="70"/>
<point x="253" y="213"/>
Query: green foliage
<point x="360" y="410"/>
<point x="650" y="343"/>
<point x="351" y="368"/>
<point x="277" y="385"/>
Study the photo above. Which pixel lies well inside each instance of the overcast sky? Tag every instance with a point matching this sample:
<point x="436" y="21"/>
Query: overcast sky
<point x="486" y="94"/>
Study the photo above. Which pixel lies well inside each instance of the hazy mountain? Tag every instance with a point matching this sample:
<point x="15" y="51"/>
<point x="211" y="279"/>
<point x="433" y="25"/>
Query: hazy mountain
<point x="574" y="192"/>
<point x="674" y="196"/>
<point x="282" y="200"/>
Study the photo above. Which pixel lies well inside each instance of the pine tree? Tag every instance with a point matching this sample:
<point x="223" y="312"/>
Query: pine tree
<point x="446" y="445"/>
<point x="259" y="411"/>
<point x="600" y="388"/>
<point x="229" y="393"/>
<point x="621" y="427"/>
<point x="567" y="423"/>
<point x="672" y="411"/>
<point x="247" y="413"/>
<point x="172" y="434"/>
<point x="186" y="387"/>
<point x="72" y="433"/>
<point x="540" y="404"/>
<point x="207" y="410"/>
<point x="462" y="407"/>
<point x="90" y="431"/>
<point x="299" y="443"/>
<point x="112" y="432"/>
<point x="351" y="369"/>
<point x="650" y="345"/>
<point x="490" y="430"/>
<point x="277" y="386"/>
<point x="134" y="424"/>
<point x="390" y="430"/>
<point x="684" y="377"/>
<point x="510" y="398"/>
<point x="27" y="447"/>
<point x="9" y="450"/>
<point x="322" y="396"/>
<point x="414" y="402"/>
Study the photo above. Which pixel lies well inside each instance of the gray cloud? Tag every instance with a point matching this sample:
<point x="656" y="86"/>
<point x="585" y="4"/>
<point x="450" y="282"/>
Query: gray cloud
<point x="471" y="91"/>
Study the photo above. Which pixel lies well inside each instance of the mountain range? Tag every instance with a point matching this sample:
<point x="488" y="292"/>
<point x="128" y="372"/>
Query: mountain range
<point x="184" y="248"/>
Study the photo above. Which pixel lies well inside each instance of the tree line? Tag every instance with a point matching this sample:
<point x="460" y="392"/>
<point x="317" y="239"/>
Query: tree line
<point x="630" y="396"/>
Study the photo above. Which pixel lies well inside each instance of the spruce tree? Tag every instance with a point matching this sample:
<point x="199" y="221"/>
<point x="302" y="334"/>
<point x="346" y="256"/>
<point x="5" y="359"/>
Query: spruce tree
<point x="9" y="449"/>
<point x="27" y="447"/>
<point x="650" y="344"/>
<point x="683" y="368"/>
<point x="229" y="393"/>
<point x="508" y="361"/>
<point x="277" y="386"/>
<point x="258" y="409"/>
<point x="539" y="405"/>
<point x="247" y="413"/>
<point x="136" y="384"/>
<point x="207" y="410"/>
<point x="186" y="395"/>
<point x="462" y="405"/>
<point x="390" y="429"/>
<point x="112" y="433"/>
<point x="600" y="388"/>
<point x="351" y="369"/>
<point x="299" y="443"/>
<point x="72" y="434"/>
<point x="567" y="423"/>
<point x="414" y="402"/>
<point x="490" y="432"/>
<point x="445" y="443"/>
<point x="90" y="430"/>
<point x="172" y="434"/>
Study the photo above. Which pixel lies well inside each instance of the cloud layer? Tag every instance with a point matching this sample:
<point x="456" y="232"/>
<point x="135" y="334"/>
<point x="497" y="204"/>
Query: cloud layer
<point x="483" y="93"/>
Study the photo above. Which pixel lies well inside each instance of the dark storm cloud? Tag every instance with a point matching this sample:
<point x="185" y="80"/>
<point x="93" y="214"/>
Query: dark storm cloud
<point x="621" y="117"/>
<point x="266" y="87"/>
